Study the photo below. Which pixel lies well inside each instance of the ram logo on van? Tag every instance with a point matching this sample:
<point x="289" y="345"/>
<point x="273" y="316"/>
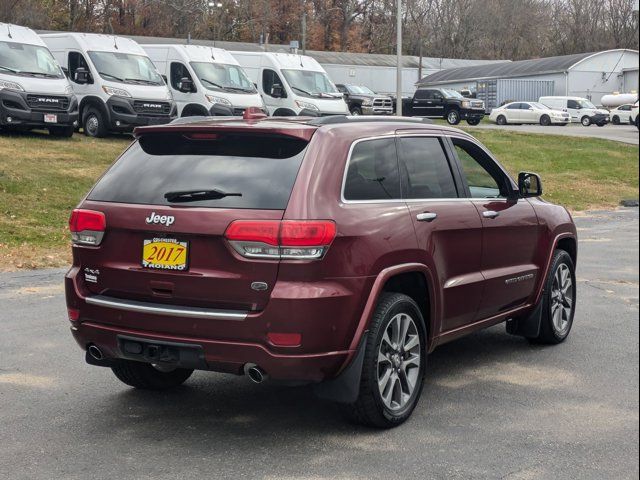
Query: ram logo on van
<point x="154" y="218"/>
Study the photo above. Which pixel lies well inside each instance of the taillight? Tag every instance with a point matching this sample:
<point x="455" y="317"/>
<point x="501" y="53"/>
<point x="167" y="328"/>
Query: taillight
<point x="287" y="239"/>
<point x="87" y="226"/>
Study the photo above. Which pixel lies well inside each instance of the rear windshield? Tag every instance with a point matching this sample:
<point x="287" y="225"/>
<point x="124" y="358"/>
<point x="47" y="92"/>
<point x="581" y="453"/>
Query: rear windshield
<point x="257" y="172"/>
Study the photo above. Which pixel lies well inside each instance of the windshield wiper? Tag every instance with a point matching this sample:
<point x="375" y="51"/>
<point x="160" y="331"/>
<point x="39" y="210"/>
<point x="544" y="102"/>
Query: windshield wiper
<point x="212" y="83"/>
<point x="197" y="195"/>
<point x="48" y="75"/>
<point x="141" y="80"/>
<point x="304" y="91"/>
<point x="104" y="74"/>
<point x="9" y="69"/>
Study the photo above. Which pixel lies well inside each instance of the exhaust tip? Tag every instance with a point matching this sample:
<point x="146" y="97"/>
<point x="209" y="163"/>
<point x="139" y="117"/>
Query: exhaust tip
<point x="95" y="352"/>
<point x="255" y="373"/>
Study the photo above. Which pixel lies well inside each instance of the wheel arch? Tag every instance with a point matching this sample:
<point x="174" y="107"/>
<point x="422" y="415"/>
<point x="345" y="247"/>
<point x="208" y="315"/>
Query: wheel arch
<point x="564" y="241"/>
<point x="413" y="279"/>
<point x="91" y="101"/>
<point x="284" y="112"/>
<point x="196" y="108"/>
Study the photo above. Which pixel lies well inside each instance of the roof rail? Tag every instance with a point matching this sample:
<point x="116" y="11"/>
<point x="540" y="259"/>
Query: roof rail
<point x="336" y="119"/>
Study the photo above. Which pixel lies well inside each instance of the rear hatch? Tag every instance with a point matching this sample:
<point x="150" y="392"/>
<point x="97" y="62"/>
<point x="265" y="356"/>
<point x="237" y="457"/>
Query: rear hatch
<point x="171" y="249"/>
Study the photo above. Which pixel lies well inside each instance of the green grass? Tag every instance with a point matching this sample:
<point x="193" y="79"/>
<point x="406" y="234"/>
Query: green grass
<point x="42" y="179"/>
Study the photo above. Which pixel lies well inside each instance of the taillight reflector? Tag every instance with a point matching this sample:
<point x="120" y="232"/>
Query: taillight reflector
<point x="307" y="233"/>
<point x="74" y="314"/>
<point x="291" y="239"/>
<point x="82" y="220"/>
<point x="265" y="231"/>
<point x="285" y="339"/>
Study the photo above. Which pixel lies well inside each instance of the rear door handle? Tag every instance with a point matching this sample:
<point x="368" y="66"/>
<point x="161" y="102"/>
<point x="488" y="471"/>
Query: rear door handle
<point x="490" y="214"/>
<point x="426" y="217"/>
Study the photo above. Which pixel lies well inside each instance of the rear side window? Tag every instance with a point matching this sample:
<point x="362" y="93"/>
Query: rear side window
<point x="372" y="172"/>
<point x="258" y="170"/>
<point x="425" y="169"/>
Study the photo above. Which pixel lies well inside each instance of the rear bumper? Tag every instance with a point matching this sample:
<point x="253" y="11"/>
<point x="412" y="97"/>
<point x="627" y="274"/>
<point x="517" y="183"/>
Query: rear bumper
<point x="15" y="111"/>
<point x="220" y="356"/>
<point x="325" y="314"/>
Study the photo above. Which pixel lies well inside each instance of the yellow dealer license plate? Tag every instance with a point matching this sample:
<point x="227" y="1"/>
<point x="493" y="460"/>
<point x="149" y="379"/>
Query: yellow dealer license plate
<point x="165" y="254"/>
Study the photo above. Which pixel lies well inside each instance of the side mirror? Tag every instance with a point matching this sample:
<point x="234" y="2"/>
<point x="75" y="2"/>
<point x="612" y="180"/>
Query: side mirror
<point x="529" y="184"/>
<point x="186" y="85"/>
<point x="277" y="91"/>
<point x="81" y="76"/>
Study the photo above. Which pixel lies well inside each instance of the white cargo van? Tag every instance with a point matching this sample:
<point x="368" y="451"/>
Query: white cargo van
<point x="34" y="92"/>
<point x="204" y="80"/>
<point x="292" y="84"/>
<point x="580" y="109"/>
<point x="118" y="87"/>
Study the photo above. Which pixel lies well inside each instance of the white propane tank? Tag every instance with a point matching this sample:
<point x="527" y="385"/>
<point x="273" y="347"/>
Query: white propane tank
<point x="617" y="99"/>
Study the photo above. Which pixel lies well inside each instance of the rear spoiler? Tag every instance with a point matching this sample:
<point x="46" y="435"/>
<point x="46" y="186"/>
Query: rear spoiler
<point x="207" y="125"/>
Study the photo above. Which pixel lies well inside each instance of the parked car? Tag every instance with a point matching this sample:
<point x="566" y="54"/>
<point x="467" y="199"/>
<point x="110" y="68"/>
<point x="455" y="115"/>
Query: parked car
<point x="34" y="93"/>
<point x="528" y="112"/>
<point x="443" y="103"/>
<point x="292" y="84"/>
<point x="580" y="109"/>
<point x="116" y="83"/>
<point x="361" y="100"/>
<point x="308" y="252"/>
<point x="204" y="80"/>
<point x="621" y="114"/>
<point x="633" y="119"/>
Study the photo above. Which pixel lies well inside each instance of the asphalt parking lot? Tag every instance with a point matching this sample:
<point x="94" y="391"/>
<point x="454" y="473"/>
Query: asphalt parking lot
<point x="494" y="406"/>
<point x="618" y="133"/>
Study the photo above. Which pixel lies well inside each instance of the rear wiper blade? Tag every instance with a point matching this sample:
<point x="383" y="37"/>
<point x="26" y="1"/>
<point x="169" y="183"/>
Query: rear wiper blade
<point x="183" y="196"/>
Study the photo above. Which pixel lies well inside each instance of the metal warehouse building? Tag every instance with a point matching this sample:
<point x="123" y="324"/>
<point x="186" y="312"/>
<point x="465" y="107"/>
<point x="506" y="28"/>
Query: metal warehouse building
<point x="589" y="75"/>
<point x="377" y="71"/>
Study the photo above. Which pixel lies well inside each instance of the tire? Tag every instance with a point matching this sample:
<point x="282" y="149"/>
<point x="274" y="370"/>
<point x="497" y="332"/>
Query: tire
<point x="371" y="408"/>
<point x="585" y="121"/>
<point x="453" y="117"/>
<point x="145" y="376"/>
<point x="473" y="121"/>
<point x="63" y="132"/>
<point x="615" y="120"/>
<point x="545" y="121"/>
<point x="94" y="123"/>
<point x="501" y="120"/>
<point x="356" y="111"/>
<point x="554" y="332"/>
<point x="601" y="124"/>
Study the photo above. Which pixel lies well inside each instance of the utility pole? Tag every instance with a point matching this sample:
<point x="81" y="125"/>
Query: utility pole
<point x="399" y="59"/>
<point x="304" y="28"/>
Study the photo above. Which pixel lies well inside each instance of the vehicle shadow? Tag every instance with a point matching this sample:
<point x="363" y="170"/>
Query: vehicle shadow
<point x="223" y="406"/>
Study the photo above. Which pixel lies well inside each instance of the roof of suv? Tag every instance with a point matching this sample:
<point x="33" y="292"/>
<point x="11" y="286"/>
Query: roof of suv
<point x="297" y="127"/>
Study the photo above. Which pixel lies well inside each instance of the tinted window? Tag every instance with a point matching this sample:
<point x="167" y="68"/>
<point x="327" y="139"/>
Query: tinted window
<point x="373" y="171"/>
<point x="178" y="72"/>
<point x="514" y="106"/>
<point x="76" y="60"/>
<point x="262" y="169"/>
<point x="423" y="94"/>
<point x="269" y="79"/>
<point x="426" y="170"/>
<point x="484" y="178"/>
<point x="573" y="104"/>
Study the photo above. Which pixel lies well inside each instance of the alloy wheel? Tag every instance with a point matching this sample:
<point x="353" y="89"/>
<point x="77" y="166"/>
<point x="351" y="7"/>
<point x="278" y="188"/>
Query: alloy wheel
<point x="399" y="362"/>
<point x="562" y="299"/>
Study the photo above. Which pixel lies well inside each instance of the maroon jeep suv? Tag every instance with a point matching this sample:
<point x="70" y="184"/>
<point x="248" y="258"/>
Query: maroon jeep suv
<point x="335" y="251"/>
